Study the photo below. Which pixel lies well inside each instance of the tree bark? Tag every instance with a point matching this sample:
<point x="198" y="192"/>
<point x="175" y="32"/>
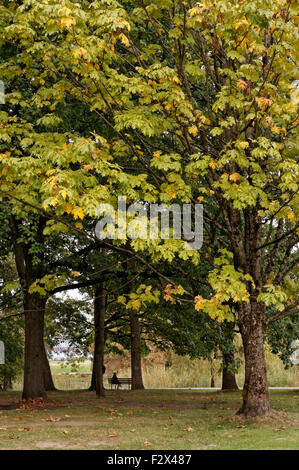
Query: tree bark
<point x="34" y="383"/>
<point x="228" y="377"/>
<point x="136" y="367"/>
<point x="34" y="309"/>
<point x="99" y="338"/>
<point x="255" y="391"/>
<point x="48" y="379"/>
<point x="93" y="377"/>
<point x="212" y="370"/>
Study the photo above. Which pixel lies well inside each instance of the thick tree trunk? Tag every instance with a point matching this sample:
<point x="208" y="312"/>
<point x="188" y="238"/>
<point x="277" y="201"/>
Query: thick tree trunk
<point x="34" y="384"/>
<point x="93" y="377"/>
<point x="255" y="391"/>
<point x="136" y="368"/>
<point x="99" y="338"/>
<point x="228" y="377"/>
<point x="48" y="379"/>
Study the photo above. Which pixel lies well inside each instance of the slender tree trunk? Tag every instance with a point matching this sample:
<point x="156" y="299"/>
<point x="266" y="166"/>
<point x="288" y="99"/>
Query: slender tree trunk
<point x="99" y="338"/>
<point x="8" y="384"/>
<point x="228" y="377"/>
<point x="92" y="387"/>
<point x="212" y="370"/>
<point x="255" y="391"/>
<point x="34" y="383"/>
<point x="48" y="379"/>
<point x="136" y="368"/>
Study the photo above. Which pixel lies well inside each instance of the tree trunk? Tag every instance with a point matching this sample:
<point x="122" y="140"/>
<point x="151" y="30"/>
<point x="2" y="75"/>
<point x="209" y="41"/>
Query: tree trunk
<point x="7" y="383"/>
<point x="228" y="377"/>
<point x="48" y="379"/>
<point x="99" y="338"/>
<point x="212" y="370"/>
<point x="136" y="368"/>
<point x="93" y="377"/>
<point x="255" y="391"/>
<point x="34" y="384"/>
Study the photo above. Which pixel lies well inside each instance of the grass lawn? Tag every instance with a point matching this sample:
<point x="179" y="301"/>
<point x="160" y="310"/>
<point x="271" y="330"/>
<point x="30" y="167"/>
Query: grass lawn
<point x="150" y="419"/>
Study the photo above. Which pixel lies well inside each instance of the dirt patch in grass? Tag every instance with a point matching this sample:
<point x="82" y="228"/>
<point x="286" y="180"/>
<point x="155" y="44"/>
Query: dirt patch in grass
<point x="278" y="418"/>
<point x="9" y="406"/>
<point x="55" y="445"/>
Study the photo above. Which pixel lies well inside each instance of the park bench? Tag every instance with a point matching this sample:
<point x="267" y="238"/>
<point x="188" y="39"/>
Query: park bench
<point x="121" y="381"/>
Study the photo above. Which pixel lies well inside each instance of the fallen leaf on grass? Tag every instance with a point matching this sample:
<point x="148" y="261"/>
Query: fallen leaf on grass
<point x="132" y="430"/>
<point x="147" y="443"/>
<point x="112" y="411"/>
<point x="12" y="436"/>
<point x="189" y="429"/>
<point x="52" y="419"/>
<point x="112" y="434"/>
<point x="241" y="426"/>
<point x="65" y="431"/>
<point x="3" y="429"/>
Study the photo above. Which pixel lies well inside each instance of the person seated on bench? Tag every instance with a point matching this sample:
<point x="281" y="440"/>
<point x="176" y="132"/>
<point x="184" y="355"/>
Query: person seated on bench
<point x="115" y="380"/>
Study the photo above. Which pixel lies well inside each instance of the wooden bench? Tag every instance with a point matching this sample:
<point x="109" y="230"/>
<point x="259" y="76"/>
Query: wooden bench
<point x="121" y="381"/>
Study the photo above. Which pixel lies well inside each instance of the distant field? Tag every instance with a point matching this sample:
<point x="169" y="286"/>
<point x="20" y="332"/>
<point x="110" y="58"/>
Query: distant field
<point x="149" y="419"/>
<point x="183" y="373"/>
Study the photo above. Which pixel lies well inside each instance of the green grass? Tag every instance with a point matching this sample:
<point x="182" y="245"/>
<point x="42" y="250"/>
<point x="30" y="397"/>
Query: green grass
<point x="152" y="419"/>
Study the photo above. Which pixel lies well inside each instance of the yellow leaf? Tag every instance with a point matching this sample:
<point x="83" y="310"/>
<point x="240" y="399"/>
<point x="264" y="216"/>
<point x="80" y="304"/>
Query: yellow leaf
<point x="192" y="130"/>
<point x="199" y="302"/>
<point x="263" y="102"/>
<point x="278" y="130"/>
<point x="291" y="216"/>
<point x="80" y="52"/>
<point x="124" y="39"/>
<point x="234" y="177"/>
<point x="78" y="213"/>
<point x="241" y="84"/>
<point x="244" y="144"/>
<point x="66" y="23"/>
<point x="196" y="10"/>
<point x="68" y="208"/>
<point x="74" y="274"/>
